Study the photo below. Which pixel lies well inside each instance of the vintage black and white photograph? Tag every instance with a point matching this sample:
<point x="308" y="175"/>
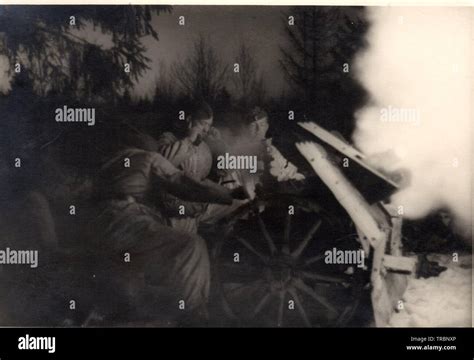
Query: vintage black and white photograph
<point x="235" y="166"/>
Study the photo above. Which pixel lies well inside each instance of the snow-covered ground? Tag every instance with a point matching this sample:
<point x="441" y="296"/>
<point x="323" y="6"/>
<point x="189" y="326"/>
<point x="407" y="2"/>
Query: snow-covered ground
<point x="442" y="301"/>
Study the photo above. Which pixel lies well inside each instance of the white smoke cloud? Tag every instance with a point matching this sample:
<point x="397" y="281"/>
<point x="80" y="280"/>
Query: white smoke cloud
<point x="417" y="70"/>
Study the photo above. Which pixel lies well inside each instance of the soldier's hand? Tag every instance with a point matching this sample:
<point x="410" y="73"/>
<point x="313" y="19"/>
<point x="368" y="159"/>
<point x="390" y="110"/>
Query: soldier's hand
<point x="214" y="134"/>
<point x="194" y="133"/>
<point x="239" y="193"/>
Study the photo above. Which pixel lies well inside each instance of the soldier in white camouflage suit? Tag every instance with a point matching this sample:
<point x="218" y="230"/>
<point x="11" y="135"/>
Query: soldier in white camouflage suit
<point x="131" y="185"/>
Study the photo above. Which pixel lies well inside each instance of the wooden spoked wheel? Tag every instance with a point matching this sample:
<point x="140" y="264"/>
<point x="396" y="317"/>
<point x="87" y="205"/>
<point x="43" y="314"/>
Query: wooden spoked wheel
<point x="272" y="270"/>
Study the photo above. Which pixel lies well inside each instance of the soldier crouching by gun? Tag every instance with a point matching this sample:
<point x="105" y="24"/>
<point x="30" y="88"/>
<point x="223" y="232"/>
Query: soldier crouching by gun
<point x="130" y="222"/>
<point x="186" y="148"/>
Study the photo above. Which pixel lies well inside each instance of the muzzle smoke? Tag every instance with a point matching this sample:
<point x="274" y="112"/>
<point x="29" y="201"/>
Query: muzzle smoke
<point x="417" y="70"/>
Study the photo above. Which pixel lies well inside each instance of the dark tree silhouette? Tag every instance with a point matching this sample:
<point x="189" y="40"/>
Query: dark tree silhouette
<point x="49" y="43"/>
<point x="320" y="43"/>
<point x="165" y="91"/>
<point x="202" y="75"/>
<point x="248" y="83"/>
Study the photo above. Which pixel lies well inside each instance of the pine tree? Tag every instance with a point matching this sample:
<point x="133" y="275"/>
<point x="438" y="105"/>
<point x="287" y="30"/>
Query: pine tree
<point x="320" y="42"/>
<point x="48" y="41"/>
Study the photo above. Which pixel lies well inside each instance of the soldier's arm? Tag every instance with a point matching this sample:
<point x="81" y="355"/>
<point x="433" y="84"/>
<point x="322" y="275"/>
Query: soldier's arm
<point x="176" y="151"/>
<point x="169" y="178"/>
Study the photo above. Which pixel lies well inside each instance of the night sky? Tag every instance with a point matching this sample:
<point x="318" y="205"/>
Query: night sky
<point x="261" y="27"/>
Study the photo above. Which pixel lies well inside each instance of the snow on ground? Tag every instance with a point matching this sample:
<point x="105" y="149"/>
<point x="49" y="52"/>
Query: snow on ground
<point x="439" y="301"/>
